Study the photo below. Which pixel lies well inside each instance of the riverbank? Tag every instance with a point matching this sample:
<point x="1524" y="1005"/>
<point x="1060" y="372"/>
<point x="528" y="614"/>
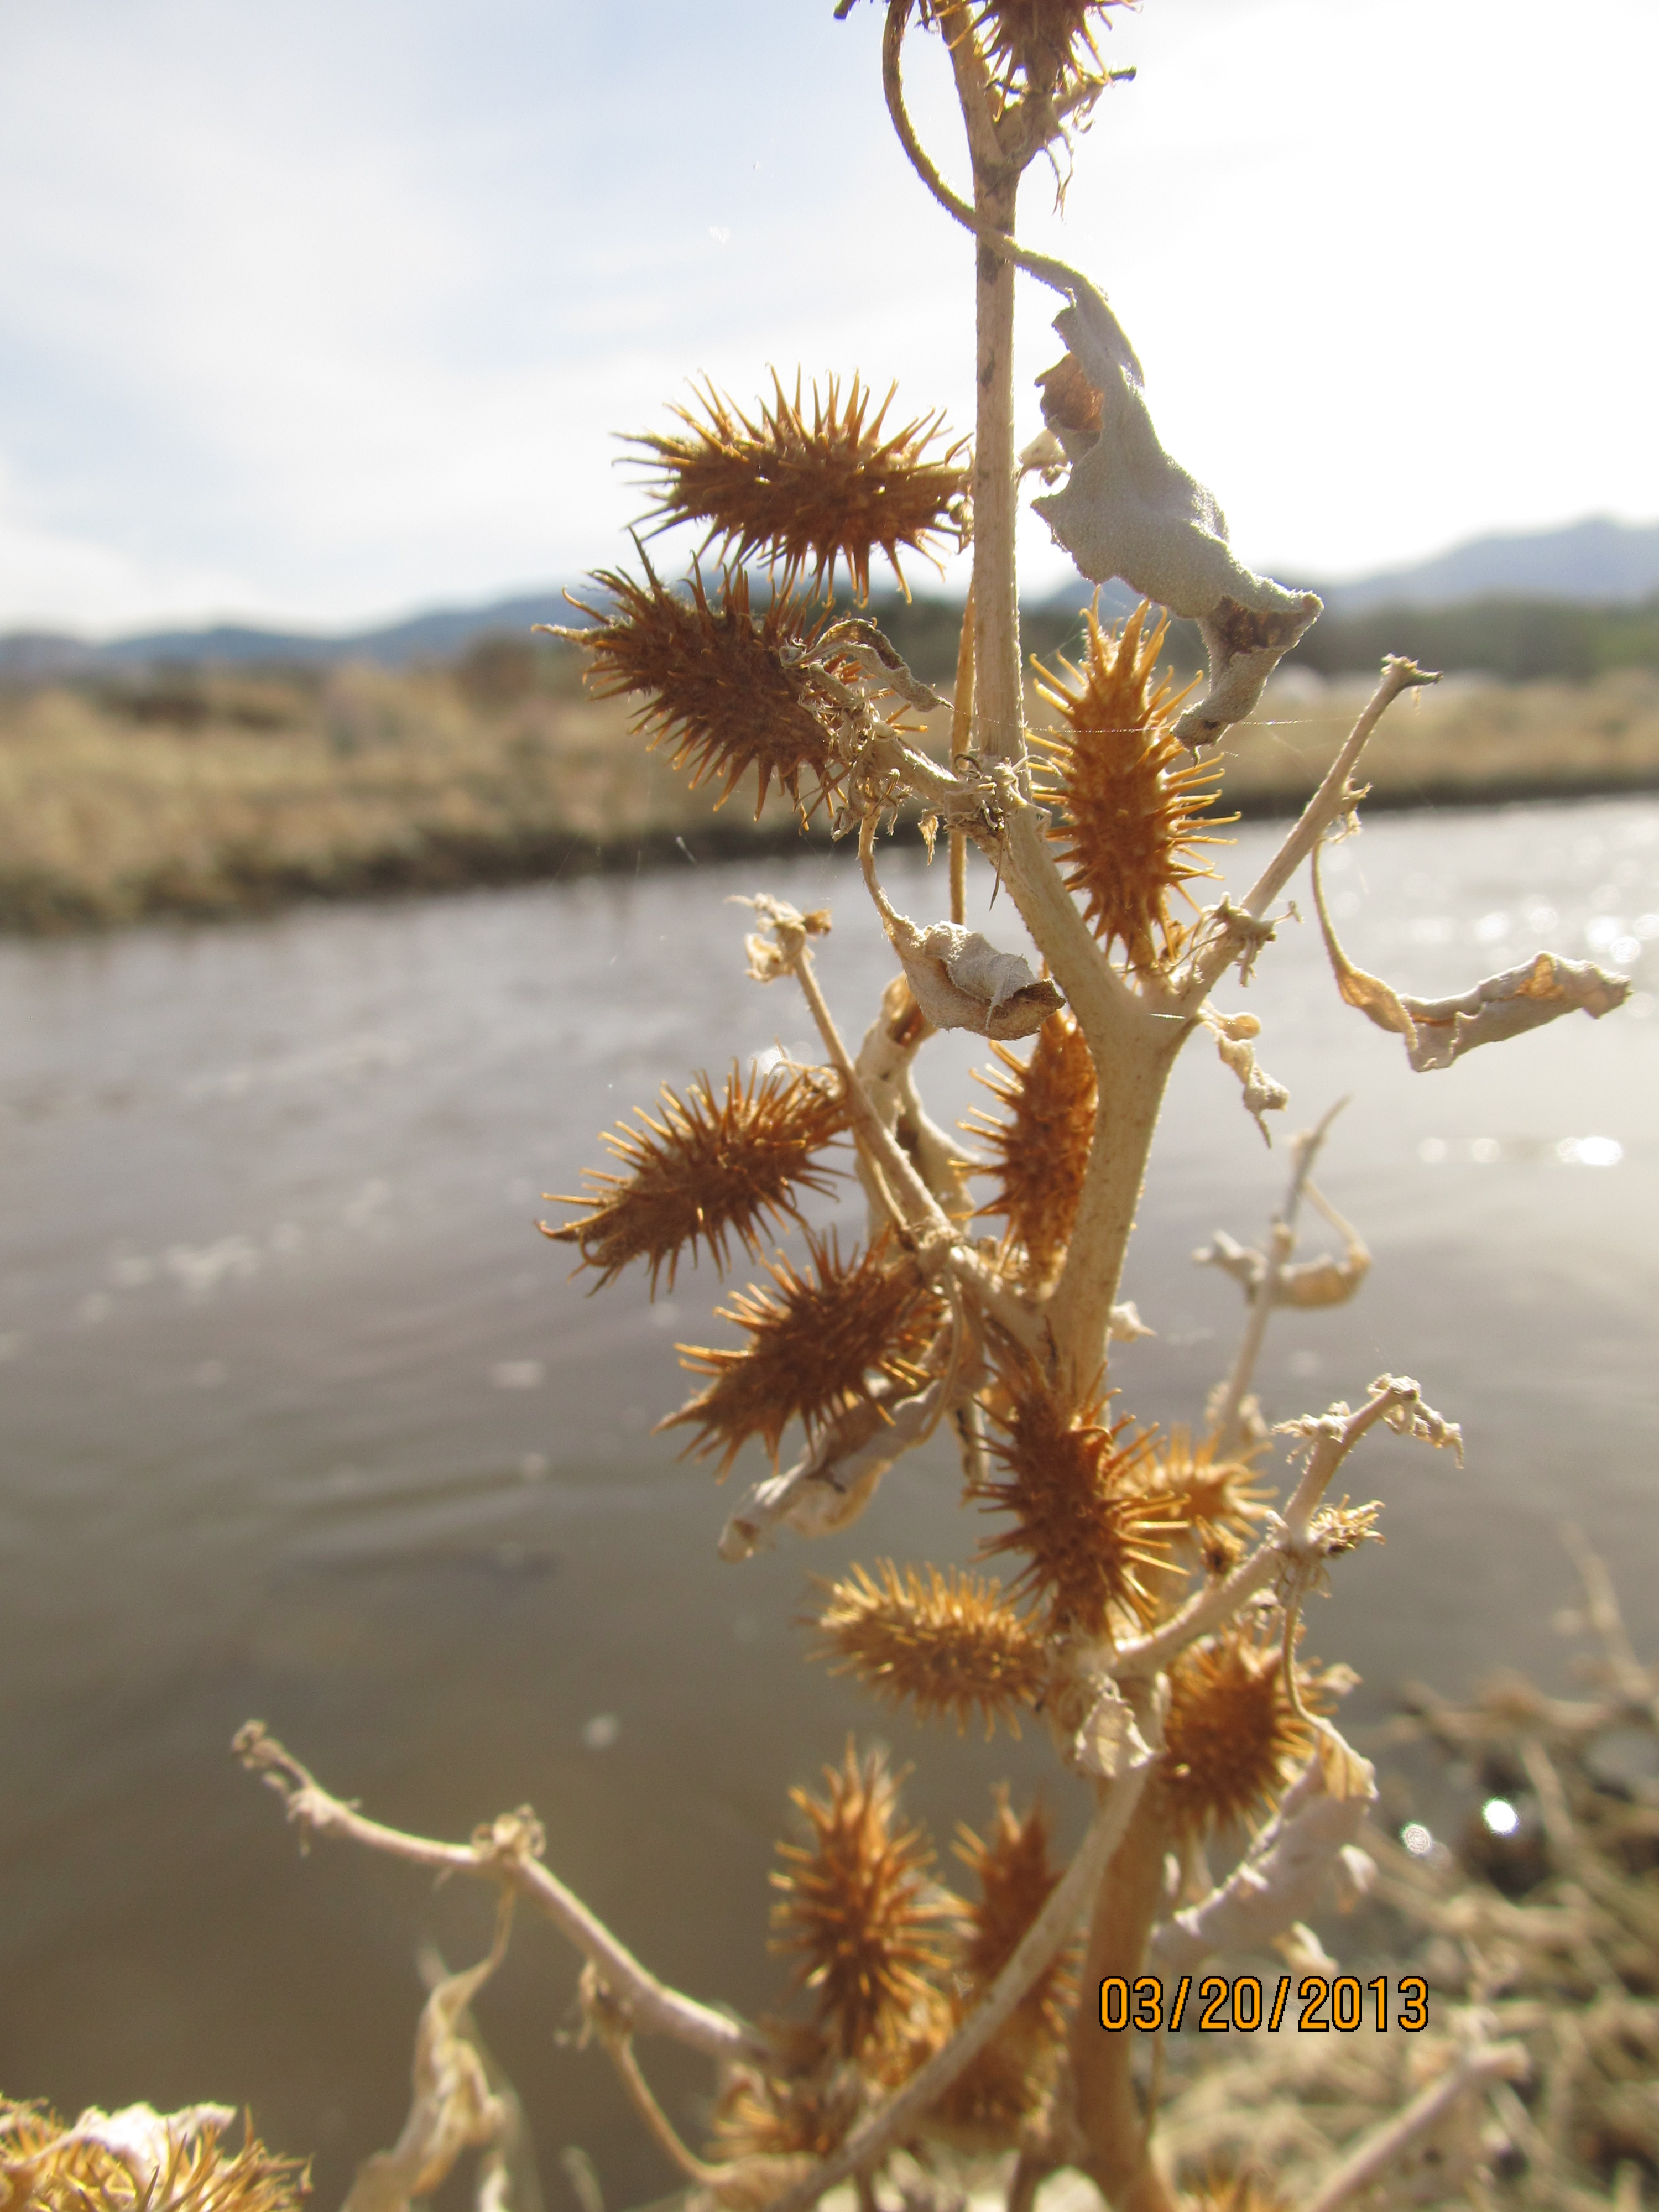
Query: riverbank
<point x="231" y="793"/>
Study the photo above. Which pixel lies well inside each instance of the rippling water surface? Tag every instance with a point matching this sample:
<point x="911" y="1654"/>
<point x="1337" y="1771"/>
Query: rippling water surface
<point x="303" y="1420"/>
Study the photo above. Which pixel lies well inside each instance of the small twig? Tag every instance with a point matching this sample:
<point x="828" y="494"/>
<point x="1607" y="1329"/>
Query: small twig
<point x="613" y="2026"/>
<point x="505" y="1854"/>
<point x="1304" y="1149"/>
<point x="1334" y="1437"/>
<point x="1399" y="674"/>
<point x="890" y="2121"/>
<point x="1504" y="2062"/>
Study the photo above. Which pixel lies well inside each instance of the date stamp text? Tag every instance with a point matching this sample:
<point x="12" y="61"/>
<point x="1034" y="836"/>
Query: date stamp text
<point x="1310" y="2004"/>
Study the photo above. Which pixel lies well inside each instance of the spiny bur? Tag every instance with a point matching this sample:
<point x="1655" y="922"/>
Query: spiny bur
<point x="1231" y="1736"/>
<point x="1092" y="1538"/>
<point x="715" y="681"/>
<point x="1011" y="2078"/>
<point x="1130" y="794"/>
<point x="1040" y="1147"/>
<point x="859" y="1911"/>
<point x="702" y="1170"/>
<point x="815" y="1343"/>
<point x="807" y="489"/>
<point x="950" y="1644"/>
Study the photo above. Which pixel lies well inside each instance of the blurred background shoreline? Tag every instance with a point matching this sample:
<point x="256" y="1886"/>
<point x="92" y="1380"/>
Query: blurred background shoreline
<point x="237" y="770"/>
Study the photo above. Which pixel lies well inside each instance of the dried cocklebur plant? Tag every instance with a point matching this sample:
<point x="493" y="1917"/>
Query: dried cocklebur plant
<point x="1153" y="1579"/>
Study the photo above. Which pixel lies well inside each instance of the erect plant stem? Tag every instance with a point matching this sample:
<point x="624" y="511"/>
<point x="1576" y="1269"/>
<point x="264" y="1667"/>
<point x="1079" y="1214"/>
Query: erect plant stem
<point x="1119" y="2160"/>
<point x="962" y="731"/>
<point x="999" y="713"/>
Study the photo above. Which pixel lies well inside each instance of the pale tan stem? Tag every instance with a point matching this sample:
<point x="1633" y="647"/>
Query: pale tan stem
<point x="1281" y="1246"/>
<point x="1497" y="2062"/>
<point x="892" y="2122"/>
<point x="899" y="1178"/>
<point x="1134" y="1048"/>
<point x="921" y="1210"/>
<point x="962" y="730"/>
<point x="503" y="1854"/>
<point x="1219" y="1601"/>
<point x="1119" y="2159"/>
<point x="1031" y="2170"/>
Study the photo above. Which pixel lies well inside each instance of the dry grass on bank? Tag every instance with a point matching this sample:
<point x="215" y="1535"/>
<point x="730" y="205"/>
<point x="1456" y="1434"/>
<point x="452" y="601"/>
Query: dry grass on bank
<point x="228" y="793"/>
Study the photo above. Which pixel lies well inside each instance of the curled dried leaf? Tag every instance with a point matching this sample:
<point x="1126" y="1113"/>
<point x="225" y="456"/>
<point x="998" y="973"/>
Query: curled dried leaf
<point x="1127" y="510"/>
<point x="1438" y="1031"/>
<point x="961" y="982"/>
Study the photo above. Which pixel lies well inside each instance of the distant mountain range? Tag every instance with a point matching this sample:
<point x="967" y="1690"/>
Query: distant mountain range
<point x="1594" y="561"/>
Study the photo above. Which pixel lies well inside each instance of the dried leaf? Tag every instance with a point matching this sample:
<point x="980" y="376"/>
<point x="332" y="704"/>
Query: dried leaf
<point x="1233" y="1041"/>
<point x="1128" y="510"/>
<point x="1438" y="1031"/>
<point x="961" y="982"/>
<point x="452" y="2109"/>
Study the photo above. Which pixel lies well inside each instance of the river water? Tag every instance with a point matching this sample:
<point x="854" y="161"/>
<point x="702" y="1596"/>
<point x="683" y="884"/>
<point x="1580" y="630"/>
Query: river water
<point x="303" y="1420"/>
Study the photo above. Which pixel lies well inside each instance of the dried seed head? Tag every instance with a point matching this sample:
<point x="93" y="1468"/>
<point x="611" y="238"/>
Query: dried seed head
<point x="807" y="489"/>
<point x="860" y="1911"/>
<point x="1129" y="792"/>
<point x="952" y="1644"/>
<point x="1338" y="1529"/>
<point x="1043" y="46"/>
<point x="719" y="685"/>
<point x="1010" y="1864"/>
<point x="812" y="1348"/>
<point x="1042" y="1148"/>
<point x="1231" y="1737"/>
<point x="703" y="1169"/>
<point x="1212" y="1494"/>
<point x="1090" y="1533"/>
<point x="1011" y="2078"/>
<point x="136" y="2159"/>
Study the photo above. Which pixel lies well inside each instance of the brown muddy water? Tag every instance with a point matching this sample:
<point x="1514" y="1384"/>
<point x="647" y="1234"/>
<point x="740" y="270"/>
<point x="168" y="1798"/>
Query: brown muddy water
<point x="302" y="1419"/>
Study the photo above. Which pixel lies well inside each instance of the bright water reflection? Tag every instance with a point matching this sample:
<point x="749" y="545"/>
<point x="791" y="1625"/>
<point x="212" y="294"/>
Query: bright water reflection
<point x="303" y="1420"/>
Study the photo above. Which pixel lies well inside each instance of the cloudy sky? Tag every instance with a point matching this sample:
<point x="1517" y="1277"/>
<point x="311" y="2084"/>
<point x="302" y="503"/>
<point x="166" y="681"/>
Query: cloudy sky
<point x="326" y="311"/>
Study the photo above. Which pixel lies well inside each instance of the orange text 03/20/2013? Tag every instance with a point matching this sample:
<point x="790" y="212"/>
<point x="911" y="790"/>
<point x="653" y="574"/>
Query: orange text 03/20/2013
<point x="1313" y="2004"/>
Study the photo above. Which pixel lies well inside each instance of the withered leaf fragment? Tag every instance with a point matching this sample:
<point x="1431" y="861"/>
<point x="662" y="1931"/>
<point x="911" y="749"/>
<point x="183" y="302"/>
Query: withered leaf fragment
<point x="806" y="489"/>
<point x="1438" y="1031"/>
<point x="719" y="683"/>
<point x="961" y="982"/>
<point x="949" y="1644"/>
<point x="815" y="1343"/>
<point x="1127" y="510"/>
<point x="703" y="1168"/>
